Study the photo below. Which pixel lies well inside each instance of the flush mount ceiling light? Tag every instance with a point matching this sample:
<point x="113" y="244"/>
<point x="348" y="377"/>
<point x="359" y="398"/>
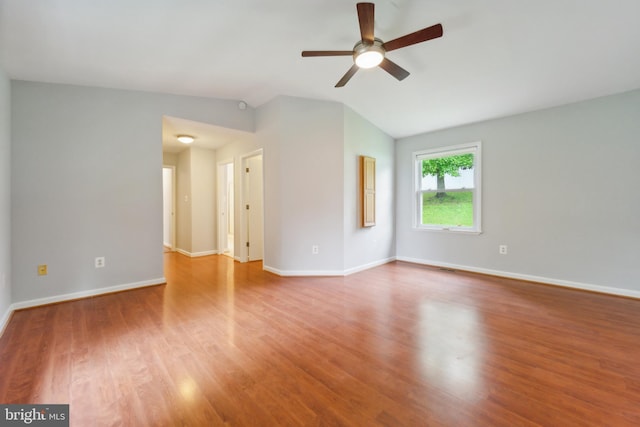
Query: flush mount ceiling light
<point x="185" y="139"/>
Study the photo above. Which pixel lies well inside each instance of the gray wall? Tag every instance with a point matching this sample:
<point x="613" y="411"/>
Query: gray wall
<point x="267" y="136"/>
<point x="203" y="201"/>
<point x="303" y="186"/>
<point x="369" y="245"/>
<point x="87" y="181"/>
<point x="559" y="188"/>
<point x="183" y="202"/>
<point x="169" y="159"/>
<point x="311" y="151"/>
<point x="195" y="201"/>
<point x="5" y="196"/>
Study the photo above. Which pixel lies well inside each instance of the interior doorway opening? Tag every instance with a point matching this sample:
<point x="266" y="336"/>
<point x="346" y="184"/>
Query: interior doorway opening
<point x="209" y="196"/>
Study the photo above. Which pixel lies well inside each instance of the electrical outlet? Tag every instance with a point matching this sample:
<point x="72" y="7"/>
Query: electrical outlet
<point x="315" y="249"/>
<point x="99" y="262"/>
<point x="42" y="270"/>
<point x="502" y="249"/>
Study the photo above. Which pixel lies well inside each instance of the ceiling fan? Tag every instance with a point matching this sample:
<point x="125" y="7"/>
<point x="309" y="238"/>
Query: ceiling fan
<point x="370" y="51"/>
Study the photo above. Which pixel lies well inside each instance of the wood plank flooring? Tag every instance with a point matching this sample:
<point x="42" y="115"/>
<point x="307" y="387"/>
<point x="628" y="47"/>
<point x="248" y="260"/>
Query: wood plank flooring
<point x="225" y="343"/>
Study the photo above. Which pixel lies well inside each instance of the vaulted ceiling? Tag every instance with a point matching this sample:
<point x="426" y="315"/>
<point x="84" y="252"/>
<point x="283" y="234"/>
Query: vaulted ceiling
<point x="496" y="58"/>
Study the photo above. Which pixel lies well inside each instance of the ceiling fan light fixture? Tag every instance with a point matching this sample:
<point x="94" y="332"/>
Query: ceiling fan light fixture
<point x="368" y="55"/>
<point x="185" y="139"/>
<point x="369" y="59"/>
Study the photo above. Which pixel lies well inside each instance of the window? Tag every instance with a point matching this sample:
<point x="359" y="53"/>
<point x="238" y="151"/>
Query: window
<point x="448" y="188"/>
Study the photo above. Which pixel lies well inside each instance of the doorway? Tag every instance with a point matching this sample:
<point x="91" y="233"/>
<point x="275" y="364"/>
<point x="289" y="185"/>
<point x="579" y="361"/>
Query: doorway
<point x="226" y="211"/>
<point x="252" y="196"/>
<point x="168" y="208"/>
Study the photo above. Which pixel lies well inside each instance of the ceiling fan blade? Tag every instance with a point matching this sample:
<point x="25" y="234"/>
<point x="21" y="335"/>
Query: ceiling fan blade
<point x="307" y="53"/>
<point x="343" y="81"/>
<point x="419" y="36"/>
<point x="394" y="69"/>
<point x="365" y="18"/>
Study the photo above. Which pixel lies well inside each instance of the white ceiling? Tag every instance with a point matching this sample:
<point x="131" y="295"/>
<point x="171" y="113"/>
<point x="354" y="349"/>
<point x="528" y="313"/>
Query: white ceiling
<point x="496" y="58"/>
<point x="206" y="136"/>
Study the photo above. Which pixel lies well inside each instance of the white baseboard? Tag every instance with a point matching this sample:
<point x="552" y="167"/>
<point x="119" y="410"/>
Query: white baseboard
<point x="290" y="273"/>
<point x="86" y="294"/>
<point x="196" y="254"/>
<point x="368" y="266"/>
<point x="5" y="319"/>
<point x="539" y="279"/>
<point x="306" y="273"/>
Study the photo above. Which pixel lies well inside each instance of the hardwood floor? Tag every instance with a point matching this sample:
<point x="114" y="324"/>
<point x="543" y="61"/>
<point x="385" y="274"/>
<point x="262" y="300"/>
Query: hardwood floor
<point x="225" y="343"/>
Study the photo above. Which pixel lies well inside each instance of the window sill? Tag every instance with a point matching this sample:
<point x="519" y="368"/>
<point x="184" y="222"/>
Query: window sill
<point x="449" y="230"/>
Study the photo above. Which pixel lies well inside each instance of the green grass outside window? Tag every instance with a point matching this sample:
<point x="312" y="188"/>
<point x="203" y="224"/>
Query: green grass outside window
<point x="454" y="209"/>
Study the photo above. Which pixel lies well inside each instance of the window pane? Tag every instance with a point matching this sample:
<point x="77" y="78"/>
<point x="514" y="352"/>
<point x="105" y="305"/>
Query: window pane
<point x="448" y="172"/>
<point x="463" y="180"/>
<point x="452" y="209"/>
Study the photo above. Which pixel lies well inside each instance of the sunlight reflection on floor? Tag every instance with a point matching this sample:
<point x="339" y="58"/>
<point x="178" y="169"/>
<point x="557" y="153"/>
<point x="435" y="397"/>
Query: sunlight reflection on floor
<point x="452" y="348"/>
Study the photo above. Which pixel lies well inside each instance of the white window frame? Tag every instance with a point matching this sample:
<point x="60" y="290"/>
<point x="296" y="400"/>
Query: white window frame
<point x="474" y="148"/>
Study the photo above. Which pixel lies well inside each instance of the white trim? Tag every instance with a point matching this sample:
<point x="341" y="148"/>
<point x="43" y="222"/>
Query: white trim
<point x="287" y="273"/>
<point x="196" y="254"/>
<point x="243" y="252"/>
<point x="183" y="252"/>
<point x="172" y="227"/>
<point x="530" y="278"/>
<point x="5" y="318"/>
<point x="332" y="273"/>
<point x="447" y="149"/>
<point x="222" y="214"/>
<point x="74" y="296"/>
<point x="368" y="266"/>
<point x="86" y="294"/>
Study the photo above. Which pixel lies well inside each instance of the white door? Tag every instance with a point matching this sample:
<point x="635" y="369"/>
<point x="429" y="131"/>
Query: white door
<point x="254" y="207"/>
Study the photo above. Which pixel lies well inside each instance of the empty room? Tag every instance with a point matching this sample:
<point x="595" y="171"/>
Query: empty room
<point x="327" y="213"/>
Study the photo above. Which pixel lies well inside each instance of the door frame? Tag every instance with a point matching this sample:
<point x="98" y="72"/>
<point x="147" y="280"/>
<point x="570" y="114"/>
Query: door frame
<point x="172" y="225"/>
<point x="242" y="253"/>
<point x="222" y="199"/>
